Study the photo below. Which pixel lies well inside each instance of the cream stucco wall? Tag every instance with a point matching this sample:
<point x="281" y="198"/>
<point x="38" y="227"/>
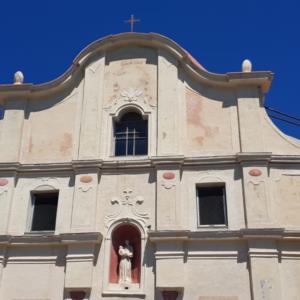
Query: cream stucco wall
<point x="204" y="129"/>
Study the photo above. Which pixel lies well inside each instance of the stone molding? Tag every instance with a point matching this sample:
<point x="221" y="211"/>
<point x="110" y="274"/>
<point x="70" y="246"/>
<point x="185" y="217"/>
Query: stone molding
<point x="51" y="239"/>
<point x="242" y="234"/>
<point x="149" y="162"/>
<point x="262" y="79"/>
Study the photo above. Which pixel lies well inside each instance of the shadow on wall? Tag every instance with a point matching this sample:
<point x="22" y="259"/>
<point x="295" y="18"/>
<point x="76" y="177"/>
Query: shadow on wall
<point x="52" y="99"/>
<point x="224" y="95"/>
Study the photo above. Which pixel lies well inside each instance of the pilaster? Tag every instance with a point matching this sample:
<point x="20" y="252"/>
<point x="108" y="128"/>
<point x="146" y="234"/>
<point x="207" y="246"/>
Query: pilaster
<point x="248" y="104"/>
<point x="2" y="261"/>
<point x="89" y="143"/>
<point x="79" y="266"/>
<point x="11" y="131"/>
<point x="168" y="90"/>
<point x="255" y="172"/>
<point x="169" y="207"/>
<point x="7" y="185"/>
<point x="170" y="256"/>
<point x="85" y="200"/>
<point x="264" y="270"/>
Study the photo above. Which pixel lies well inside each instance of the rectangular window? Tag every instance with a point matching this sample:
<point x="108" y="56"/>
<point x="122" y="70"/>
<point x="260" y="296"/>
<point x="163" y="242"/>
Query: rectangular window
<point x="44" y="211"/>
<point x="212" y="205"/>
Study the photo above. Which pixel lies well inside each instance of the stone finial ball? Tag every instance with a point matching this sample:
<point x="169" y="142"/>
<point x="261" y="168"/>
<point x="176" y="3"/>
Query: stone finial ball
<point x="246" y="66"/>
<point x="18" y="77"/>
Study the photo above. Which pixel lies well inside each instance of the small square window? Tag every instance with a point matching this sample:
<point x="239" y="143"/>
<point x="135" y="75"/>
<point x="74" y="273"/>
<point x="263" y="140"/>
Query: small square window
<point x="212" y="205"/>
<point x="44" y="211"/>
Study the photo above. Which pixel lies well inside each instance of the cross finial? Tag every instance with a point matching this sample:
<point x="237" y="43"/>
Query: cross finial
<point x="132" y="20"/>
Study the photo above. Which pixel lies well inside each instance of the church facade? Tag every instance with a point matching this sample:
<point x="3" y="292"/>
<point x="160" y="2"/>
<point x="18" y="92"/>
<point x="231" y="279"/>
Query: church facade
<point x="138" y="174"/>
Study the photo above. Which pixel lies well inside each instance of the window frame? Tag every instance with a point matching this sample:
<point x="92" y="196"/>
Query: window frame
<point x="32" y="208"/>
<point x="212" y="185"/>
<point x="116" y="120"/>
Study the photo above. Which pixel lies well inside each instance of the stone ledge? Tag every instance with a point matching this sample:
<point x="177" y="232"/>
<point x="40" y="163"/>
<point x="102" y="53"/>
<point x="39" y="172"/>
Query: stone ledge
<point x="252" y="158"/>
<point x="242" y="234"/>
<point x="51" y="239"/>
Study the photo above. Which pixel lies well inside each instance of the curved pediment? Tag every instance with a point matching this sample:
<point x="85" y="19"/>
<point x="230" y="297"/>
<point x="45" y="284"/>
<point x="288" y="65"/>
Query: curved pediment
<point x="152" y="40"/>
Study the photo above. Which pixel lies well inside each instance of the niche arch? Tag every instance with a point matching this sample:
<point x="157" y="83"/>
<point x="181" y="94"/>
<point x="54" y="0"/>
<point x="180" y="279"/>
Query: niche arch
<point x="119" y="231"/>
<point x="120" y="234"/>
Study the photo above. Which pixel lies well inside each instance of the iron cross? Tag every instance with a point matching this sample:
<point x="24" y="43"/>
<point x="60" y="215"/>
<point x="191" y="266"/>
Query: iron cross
<point x="132" y="20"/>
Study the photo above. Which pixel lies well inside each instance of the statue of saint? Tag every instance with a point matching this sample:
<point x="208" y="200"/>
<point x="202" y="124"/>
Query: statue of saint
<point x="126" y="253"/>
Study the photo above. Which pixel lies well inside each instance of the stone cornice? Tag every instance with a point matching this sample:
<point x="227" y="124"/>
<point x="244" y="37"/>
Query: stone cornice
<point x="262" y="79"/>
<point x="51" y="239"/>
<point x="242" y="234"/>
<point x="152" y="162"/>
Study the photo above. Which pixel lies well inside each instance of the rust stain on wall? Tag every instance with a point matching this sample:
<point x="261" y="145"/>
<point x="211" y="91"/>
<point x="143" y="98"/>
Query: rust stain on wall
<point x="66" y="145"/>
<point x="199" y="140"/>
<point x="199" y="132"/>
<point x="30" y="144"/>
<point x="194" y="108"/>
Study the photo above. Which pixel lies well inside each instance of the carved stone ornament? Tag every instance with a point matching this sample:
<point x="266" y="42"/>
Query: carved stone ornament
<point x="168" y="180"/>
<point x="247" y="66"/>
<point x="86" y="179"/>
<point x="131" y="95"/>
<point x="169" y="175"/>
<point x="18" y="78"/>
<point x="126" y="206"/>
<point x="255" y="172"/>
<point x="3" y="181"/>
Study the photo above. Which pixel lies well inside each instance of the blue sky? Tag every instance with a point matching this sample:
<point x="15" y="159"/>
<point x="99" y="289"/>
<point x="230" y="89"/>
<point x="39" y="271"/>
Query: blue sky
<point x="41" y="38"/>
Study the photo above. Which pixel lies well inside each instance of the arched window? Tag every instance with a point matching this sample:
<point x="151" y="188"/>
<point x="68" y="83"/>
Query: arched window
<point x="131" y="135"/>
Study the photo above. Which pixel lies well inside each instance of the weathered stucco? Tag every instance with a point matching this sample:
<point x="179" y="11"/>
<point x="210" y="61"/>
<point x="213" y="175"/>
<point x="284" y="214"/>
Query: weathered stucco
<point x="203" y="129"/>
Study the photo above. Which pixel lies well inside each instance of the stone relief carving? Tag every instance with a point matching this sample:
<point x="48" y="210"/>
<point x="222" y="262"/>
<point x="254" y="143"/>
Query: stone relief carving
<point x="168" y="184"/>
<point x="85" y="188"/>
<point x="266" y="288"/>
<point x="130" y="95"/>
<point x="126" y="206"/>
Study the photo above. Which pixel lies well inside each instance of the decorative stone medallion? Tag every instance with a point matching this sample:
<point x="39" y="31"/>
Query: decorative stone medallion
<point x="169" y="175"/>
<point x="255" y="172"/>
<point x="86" y="179"/>
<point x="3" y="181"/>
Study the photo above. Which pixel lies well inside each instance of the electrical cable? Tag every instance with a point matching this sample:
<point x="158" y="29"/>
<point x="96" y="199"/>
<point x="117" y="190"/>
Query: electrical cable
<point x="281" y="113"/>
<point x="284" y="120"/>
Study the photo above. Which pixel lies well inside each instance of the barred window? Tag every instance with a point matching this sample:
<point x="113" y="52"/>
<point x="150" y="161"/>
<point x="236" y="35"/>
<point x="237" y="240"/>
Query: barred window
<point x="131" y="135"/>
<point x="212" y="205"/>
